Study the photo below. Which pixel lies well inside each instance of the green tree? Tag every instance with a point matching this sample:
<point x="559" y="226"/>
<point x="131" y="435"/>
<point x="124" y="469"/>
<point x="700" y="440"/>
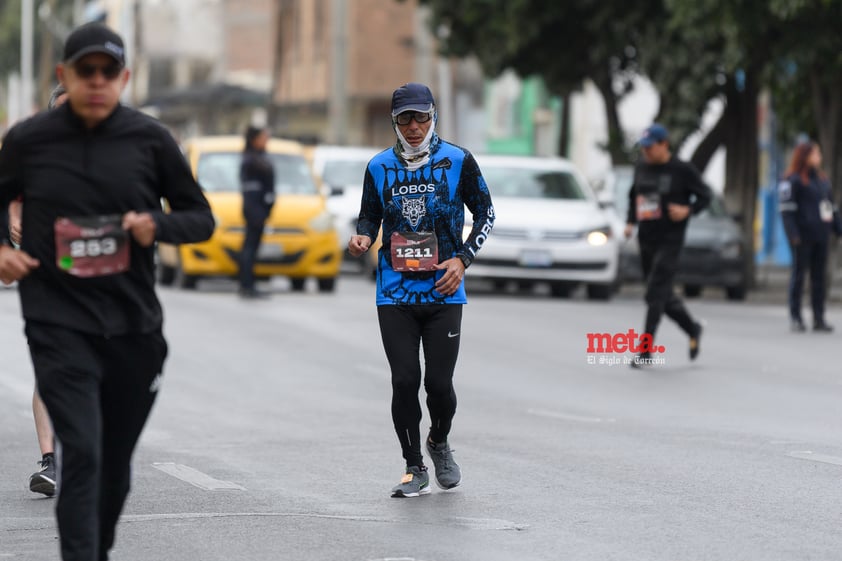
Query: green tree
<point x="564" y="43"/>
<point x="806" y="79"/>
<point x="47" y="47"/>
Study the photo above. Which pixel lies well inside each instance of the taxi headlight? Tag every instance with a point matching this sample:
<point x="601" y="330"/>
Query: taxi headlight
<point x="323" y="222"/>
<point x="598" y="237"/>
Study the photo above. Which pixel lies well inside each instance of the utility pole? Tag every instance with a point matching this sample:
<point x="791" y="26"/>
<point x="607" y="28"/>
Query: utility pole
<point x="26" y="56"/>
<point x="46" y="66"/>
<point x="272" y="108"/>
<point x="78" y="12"/>
<point x="338" y="97"/>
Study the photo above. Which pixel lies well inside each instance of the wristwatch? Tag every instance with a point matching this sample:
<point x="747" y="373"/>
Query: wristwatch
<point x="464" y="258"/>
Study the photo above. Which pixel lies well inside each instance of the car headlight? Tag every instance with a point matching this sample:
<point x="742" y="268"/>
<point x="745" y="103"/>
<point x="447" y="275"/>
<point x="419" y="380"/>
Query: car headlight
<point x="599" y="237"/>
<point x="323" y="222"/>
<point x="730" y="250"/>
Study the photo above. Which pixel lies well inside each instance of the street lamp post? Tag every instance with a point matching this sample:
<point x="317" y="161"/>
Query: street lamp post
<point x="26" y="50"/>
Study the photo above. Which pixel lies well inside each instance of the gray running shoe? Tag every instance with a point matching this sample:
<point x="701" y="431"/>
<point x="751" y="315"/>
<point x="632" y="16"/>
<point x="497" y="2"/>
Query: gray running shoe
<point x="44" y="480"/>
<point x="415" y="482"/>
<point x="448" y="474"/>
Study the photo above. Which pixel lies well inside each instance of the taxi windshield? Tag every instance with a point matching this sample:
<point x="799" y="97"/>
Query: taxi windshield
<point x="219" y="172"/>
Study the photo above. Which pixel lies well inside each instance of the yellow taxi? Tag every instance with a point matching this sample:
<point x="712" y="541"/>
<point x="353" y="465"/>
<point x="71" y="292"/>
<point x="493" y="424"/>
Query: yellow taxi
<point x="299" y="240"/>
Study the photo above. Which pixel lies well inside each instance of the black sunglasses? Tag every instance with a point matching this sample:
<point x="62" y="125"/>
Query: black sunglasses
<point x="108" y="71"/>
<point x="404" y="118"/>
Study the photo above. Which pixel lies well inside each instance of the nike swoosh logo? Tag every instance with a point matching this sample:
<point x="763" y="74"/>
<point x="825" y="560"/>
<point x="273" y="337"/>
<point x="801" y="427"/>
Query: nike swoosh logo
<point x="452" y="335"/>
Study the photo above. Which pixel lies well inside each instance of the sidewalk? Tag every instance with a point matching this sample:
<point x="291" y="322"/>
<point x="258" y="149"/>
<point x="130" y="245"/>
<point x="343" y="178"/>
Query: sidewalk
<point x="771" y="287"/>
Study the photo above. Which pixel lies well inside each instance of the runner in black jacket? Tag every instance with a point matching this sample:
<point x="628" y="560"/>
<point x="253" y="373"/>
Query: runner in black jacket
<point x="92" y="174"/>
<point x="665" y="192"/>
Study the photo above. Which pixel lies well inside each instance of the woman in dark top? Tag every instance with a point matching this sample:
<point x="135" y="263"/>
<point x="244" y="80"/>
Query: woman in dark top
<point x="809" y="215"/>
<point x="257" y="183"/>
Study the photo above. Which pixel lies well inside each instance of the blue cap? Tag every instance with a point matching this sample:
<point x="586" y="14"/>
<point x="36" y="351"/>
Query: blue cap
<point x="653" y="134"/>
<point x="412" y="97"/>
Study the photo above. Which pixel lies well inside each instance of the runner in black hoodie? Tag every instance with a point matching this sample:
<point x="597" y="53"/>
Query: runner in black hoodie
<point x="91" y="175"/>
<point x="664" y="194"/>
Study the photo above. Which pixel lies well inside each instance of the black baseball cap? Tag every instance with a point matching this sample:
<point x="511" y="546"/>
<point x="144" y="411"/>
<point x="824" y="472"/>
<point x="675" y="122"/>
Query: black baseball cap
<point x="412" y="97"/>
<point x="92" y="38"/>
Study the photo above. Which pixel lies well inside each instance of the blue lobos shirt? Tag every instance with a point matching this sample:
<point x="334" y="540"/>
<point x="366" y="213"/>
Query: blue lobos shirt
<point x="431" y="198"/>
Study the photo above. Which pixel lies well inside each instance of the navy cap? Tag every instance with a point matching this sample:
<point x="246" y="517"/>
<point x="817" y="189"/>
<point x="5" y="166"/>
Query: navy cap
<point x="94" y="38"/>
<point x="412" y="97"/>
<point x="653" y="134"/>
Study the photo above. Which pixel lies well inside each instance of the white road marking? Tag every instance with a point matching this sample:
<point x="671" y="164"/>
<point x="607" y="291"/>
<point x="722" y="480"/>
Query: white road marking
<point x="570" y="416"/>
<point x="808" y="455"/>
<point x="469" y="523"/>
<point x="195" y="477"/>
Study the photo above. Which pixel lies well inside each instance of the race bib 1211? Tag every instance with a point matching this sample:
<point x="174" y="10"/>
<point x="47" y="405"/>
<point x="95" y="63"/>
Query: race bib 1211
<point x="414" y="251"/>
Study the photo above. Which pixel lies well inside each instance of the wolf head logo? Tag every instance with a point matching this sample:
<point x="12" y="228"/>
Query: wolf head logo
<point x="414" y="210"/>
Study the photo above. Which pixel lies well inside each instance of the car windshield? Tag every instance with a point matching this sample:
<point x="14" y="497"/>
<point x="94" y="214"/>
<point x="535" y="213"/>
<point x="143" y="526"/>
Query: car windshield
<point x="623" y="179"/>
<point x="339" y="173"/>
<point x="531" y="183"/>
<point x="219" y="172"/>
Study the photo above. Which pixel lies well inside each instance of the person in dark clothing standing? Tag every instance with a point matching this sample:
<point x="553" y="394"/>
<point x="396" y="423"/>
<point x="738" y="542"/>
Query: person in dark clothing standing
<point x="91" y="175"/>
<point x="809" y="217"/>
<point x="257" y="183"/>
<point x="665" y="192"/>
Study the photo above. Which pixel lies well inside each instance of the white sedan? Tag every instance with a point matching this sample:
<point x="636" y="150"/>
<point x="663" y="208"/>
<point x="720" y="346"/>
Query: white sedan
<point x="550" y="228"/>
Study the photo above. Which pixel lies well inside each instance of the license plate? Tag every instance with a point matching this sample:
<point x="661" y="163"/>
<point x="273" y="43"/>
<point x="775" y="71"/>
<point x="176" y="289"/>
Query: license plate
<point x="536" y="258"/>
<point x="270" y="251"/>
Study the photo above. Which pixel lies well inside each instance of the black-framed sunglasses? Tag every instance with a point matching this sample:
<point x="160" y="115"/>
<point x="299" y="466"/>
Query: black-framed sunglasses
<point x="404" y="118"/>
<point x="108" y="71"/>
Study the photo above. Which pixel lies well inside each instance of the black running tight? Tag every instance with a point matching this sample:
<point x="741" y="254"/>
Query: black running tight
<point x="404" y="329"/>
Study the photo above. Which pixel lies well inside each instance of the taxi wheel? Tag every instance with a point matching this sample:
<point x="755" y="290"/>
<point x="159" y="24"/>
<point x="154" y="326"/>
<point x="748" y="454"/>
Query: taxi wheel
<point x="297" y="284"/>
<point x="185" y="281"/>
<point x="327" y="285"/>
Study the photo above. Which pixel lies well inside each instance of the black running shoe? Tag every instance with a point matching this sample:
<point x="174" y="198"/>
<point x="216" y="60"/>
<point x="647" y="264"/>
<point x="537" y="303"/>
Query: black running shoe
<point x="797" y="326"/>
<point x="695" y="342"/>
<point x="823" y="327"/>
<point x="44" y="480"/>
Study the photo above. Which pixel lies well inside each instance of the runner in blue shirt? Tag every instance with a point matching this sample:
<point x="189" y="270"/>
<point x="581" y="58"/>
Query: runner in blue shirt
<point x="417" y="192"/>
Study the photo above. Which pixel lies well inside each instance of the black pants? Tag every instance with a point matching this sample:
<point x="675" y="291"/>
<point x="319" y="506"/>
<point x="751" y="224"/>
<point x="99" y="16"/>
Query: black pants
<point x="810" y="256"/>
<point x="403" y="329"/>
<point x="248" y="254"/>
<point x="660" y="264"/>
<point x="98" y="392"/>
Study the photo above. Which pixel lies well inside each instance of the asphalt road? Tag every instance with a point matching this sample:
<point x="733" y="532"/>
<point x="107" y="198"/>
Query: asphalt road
<point x="272" y="440"/>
